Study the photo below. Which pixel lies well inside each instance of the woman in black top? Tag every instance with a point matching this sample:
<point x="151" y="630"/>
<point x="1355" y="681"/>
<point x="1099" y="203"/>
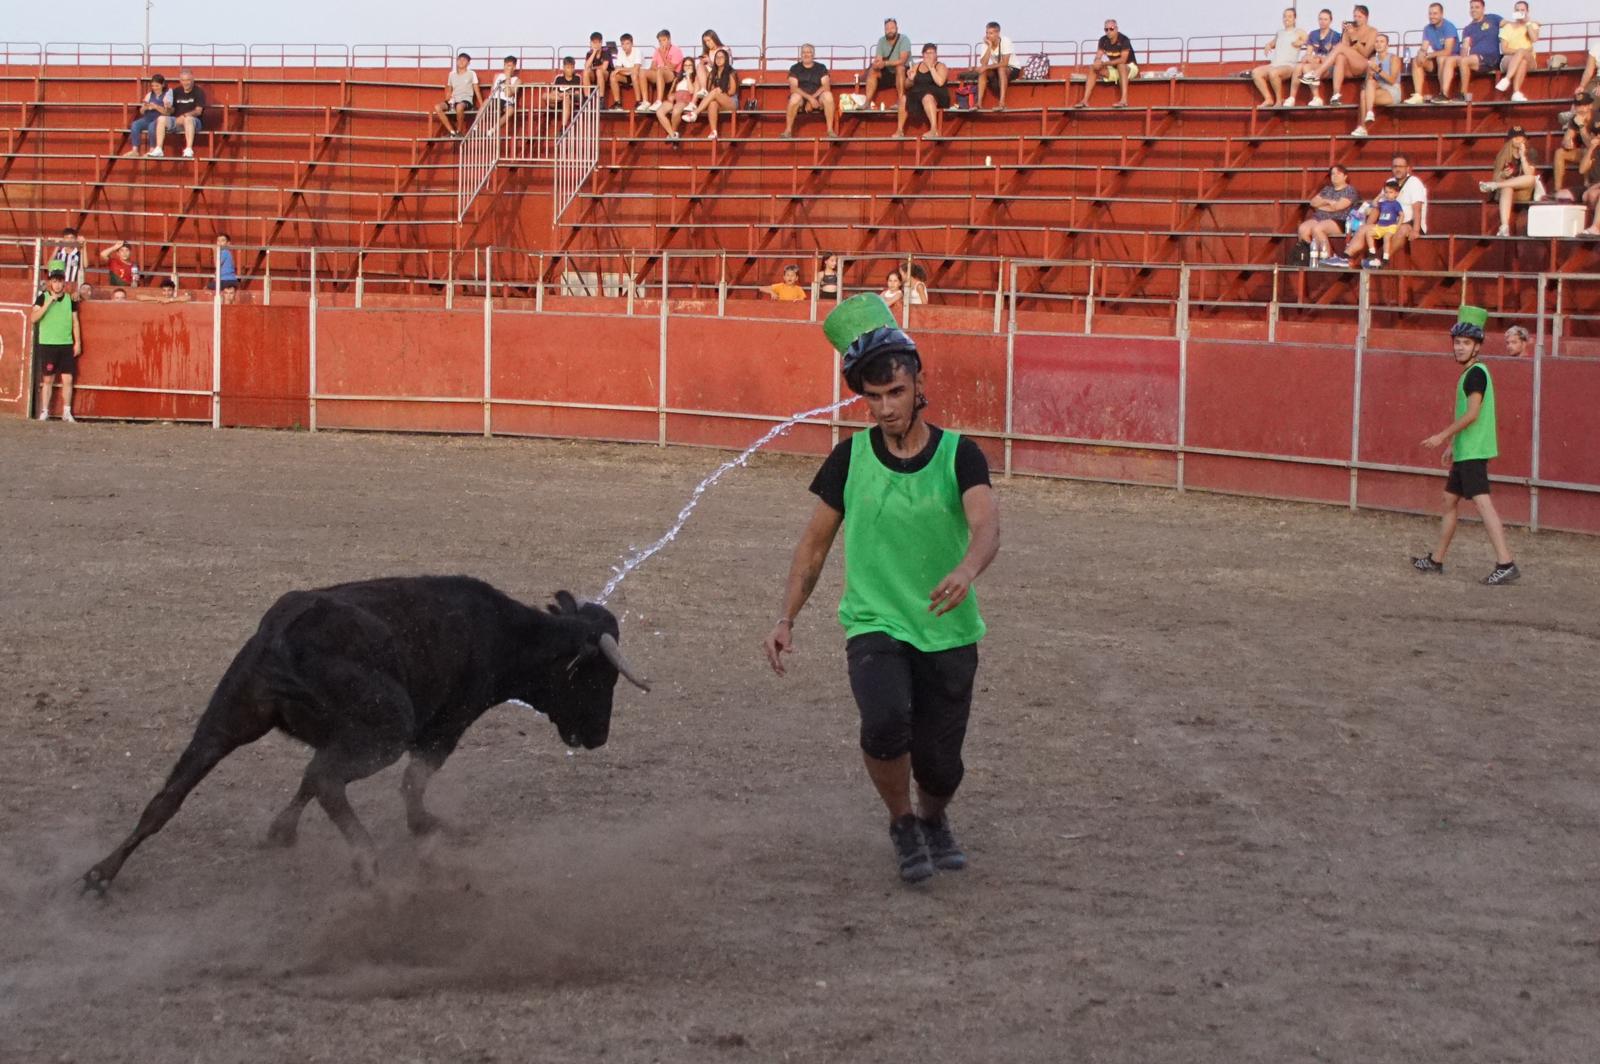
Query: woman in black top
<point x="927" y="91"/>
<point x="828" y="277"/>
<point x="721" y="86"/>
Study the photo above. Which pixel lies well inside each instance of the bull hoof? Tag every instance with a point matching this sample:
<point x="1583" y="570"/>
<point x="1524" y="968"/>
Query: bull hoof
<point x="366" y="868"/>
<point x="94" y="882"/>
<point x="282" y="835"/>
<point x="427" y="824"/>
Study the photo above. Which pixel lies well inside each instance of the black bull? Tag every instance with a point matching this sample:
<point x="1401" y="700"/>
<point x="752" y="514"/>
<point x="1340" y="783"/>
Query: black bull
<point x="368" y="671"/>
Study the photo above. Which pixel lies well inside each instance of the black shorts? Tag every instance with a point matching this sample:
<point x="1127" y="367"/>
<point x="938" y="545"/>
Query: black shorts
<point x="940" y="94"/>
<point x="55" y="358"/>
<point x="915" y="702"/>
<point x="1469" y="479"/>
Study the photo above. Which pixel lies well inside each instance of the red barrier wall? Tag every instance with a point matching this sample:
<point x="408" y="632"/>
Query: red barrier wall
<point x="1095" y="407"/>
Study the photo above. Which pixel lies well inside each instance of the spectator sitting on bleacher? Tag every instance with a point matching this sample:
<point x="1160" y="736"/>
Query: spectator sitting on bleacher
<point x="927" y="91"/>
<point x="69" y="254"/>
<point x="153" y="110"/>
<point x="1330" y="207"/>
<point x="567" y="84"/>
<point x="1516" y="176"/>
<point x="1413" y="202"/>
<point x="680" y="103"/>
<point x="1440" y="39"/>
<point x="917" y="290"/>
<point x="1381" y="87"/>
<point x="721" y="89"/>
<point x="828" y="274"/>
<point x="1273" y="75"/>
<point x="810" y="89"/>
<point x="1580" y="134"/>
<point x="1114" y="61"/>
<point x="118" y="258"/>
<point x="1518" y="35"/>
<point x="1378" y="228"/>
<point x="1591" y="198"/>
<point x="1518" y="343"/>
<point x="997" y="64"/>
<point x="788" y="290"/>
<point x="1589" y="84"/>
<point x="1353" y="57"/>
<point x="1311" y="69"/>
<point x="665" y="69"/>
<point x="628" y="69"/>
<point x="119" y="295"/>
<point x="462" y="96"/>
<point x="709" y="43"/>
<point x="85" y="292"/>
<point x="597" y="62"/>
<point x="1479" y="51"/>
<point x="890" y="58"/>
<point x="893" y="289"/>
<point x="188" y="114"/>
<point x="168" y="293"/>
<point x="502" y="98"/>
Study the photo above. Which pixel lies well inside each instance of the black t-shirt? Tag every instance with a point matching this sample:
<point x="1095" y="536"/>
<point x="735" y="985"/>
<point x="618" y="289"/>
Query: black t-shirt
<point x="1477" y="382"/>
<point x="1113" y="49"/>
<point x="568" y="82"/>
<point x="808" y="78"/>
<point x="185" y="101"/>
<point x="972" y="468"/>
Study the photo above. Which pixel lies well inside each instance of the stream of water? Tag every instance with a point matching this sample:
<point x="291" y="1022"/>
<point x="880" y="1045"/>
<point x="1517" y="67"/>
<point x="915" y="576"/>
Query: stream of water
<point x="619" y="573"/>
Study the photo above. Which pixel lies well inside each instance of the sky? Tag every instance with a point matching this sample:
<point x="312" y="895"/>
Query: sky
<point x="737" y="21"/>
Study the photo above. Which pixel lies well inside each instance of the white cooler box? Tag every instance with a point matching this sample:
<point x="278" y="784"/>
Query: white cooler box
<point x="1555" y="219"/>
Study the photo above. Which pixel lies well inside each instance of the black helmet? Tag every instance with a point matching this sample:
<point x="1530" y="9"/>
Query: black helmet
<point x="871" y="346"/>
<point x="1467" y="329"/>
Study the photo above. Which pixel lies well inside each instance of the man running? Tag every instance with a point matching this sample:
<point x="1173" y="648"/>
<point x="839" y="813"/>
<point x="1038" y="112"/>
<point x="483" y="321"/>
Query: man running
<point x="1472" y="442"/>
<point x="920" y="525"/>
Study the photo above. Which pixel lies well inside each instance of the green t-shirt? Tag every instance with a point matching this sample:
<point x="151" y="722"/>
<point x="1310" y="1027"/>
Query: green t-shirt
<point x="887" y="49"/>
<point x="903" y="533"/>
<point x="1479" y="439"/>
<point x="55" y="328"/>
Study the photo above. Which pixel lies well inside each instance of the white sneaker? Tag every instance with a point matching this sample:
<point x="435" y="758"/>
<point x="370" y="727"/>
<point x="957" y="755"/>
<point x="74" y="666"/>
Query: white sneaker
<point x="1502" y="85"/>
<point x="643" y="105"/>
<point x="656" y="106"/>
<point x="1309" y="79"/>
<point x="156" y="153"/>
<point x="689" y="114"/>
<point x="1517" y="97"/>
<point x="1289" y="102"/>
<point x="1359" y="131"/>
<point x="1416" y="97"/>
<point x="1316" y="101"/>
<point x="188" y="153"/>
<point x="66" y="415"/>
<point x="1372" y="116"/>
<point x="44" y="415"/>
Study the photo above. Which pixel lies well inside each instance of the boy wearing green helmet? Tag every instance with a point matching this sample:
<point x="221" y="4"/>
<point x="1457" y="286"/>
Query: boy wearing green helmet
<point x="920" y="524"/>
<point x="1473" y="441"/>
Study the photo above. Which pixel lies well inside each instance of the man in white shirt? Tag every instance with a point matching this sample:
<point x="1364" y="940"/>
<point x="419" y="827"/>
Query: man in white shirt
<point x="997" y="62"/>
<point x="627" y="68"/>
<point x="1413" y="199"/>
<point x="462" y="94"/>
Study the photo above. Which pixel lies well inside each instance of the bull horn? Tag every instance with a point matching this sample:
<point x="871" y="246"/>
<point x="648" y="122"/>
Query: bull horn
<point x="613" y="653"/>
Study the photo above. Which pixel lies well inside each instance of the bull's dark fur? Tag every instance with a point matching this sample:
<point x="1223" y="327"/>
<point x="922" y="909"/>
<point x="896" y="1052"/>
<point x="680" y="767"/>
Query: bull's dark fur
<point x="366" y="672"/>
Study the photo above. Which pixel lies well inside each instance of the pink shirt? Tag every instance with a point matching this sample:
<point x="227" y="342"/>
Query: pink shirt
<point x="671" y="57"/>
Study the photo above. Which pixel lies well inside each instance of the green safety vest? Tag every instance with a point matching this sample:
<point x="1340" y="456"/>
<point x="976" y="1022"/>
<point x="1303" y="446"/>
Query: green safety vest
<point x="1477" y="440"/>
<point x="903" y="533"/>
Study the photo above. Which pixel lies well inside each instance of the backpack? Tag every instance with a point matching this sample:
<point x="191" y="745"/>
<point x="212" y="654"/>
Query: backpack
<point x="1037" y="68"/>
<point x="1299" y="254"/>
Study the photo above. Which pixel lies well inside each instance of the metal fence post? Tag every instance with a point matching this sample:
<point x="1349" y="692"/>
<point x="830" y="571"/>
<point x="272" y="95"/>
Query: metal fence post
<point x="450" y="282"/>
<point x="266" y="286"/>
<point x="1088" y="315"/>
<point x="1363" y="327"/>
<point x="1272" y="310"/>
<point x="1538" y="407"/>
<point x="1011" y="360"/>
<point x="1183" y="363"/>
<point x="361" y="277"/>
<point x="538" y="288"/>
<point x="722" y="287"/>
<point x="216" y="342"/>
<point x="312" y="318"/>
<point x="488" y="336"/>
<point x="661" y="394"/>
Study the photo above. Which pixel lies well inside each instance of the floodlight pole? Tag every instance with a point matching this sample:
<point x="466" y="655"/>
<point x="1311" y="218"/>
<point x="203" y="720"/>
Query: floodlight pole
<point x="148" y="4"/>
<point x="764" y="34"/>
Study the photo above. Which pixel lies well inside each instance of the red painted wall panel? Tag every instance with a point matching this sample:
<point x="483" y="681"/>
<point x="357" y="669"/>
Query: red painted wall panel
<point x="143" y="346"/>
<point x="1279" y="480"/>
<point x="577" y="359"/>
<point x="1089" y="387"/>
<point x="15" y="369"/>
<point x="266" y="370"/>
<point x="966" y="379"/>
<point x="750" y="367"/>
<point x="1287" y="399"/>
<point x="1094" y="463"/>
<point x="420" y="353"/>
<point x="1423" y="494"/>
<point x="1406" y="398"/>
<point x="1569" y="440"/>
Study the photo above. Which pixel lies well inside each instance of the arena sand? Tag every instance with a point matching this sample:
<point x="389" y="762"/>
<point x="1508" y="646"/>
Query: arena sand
<point x="1241" y="787"/>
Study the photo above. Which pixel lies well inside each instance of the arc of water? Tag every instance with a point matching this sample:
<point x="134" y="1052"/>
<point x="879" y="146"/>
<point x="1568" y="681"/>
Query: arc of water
<point x="620" y="573"/>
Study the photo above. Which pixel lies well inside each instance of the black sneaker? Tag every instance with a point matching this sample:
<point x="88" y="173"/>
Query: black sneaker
<point x="942" y="848"/>
<point x="1426" y="564"/>
<point x="1503" y="574"/>
<point x="910" y="849"/>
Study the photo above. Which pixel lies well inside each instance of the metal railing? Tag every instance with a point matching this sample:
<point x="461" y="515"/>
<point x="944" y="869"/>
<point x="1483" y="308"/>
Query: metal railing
<point x="577" y="151"/>
<point x="547" y="125"/>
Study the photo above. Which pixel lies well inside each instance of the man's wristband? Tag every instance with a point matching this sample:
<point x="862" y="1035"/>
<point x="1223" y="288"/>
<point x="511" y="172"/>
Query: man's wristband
<point x="785" y="620"/>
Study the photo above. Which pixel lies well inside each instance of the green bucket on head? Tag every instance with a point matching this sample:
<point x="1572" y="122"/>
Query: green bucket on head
<point x="1472" y="316"/>
<point x="856" y="317"/>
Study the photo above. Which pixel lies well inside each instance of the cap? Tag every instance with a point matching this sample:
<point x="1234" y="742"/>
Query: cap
<point x="855" y="317"/>
<point x="1391" y="183"/>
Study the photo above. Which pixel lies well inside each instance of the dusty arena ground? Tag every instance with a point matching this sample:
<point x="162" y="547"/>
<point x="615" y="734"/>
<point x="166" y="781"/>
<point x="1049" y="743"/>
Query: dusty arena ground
<point x="1241" y="787"/>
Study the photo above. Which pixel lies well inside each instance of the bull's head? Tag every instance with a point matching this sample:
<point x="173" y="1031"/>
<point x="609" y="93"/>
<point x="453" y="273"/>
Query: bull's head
<point x="578" y="678"/>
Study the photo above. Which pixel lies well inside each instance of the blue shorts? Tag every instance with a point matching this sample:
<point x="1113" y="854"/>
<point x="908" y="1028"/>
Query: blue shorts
<point x="172" y="123"/>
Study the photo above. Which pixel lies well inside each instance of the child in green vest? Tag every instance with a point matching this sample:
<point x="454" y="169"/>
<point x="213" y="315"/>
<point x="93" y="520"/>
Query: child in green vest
<point x="57" y="340"/>
<point x="1473" y="442"/>
<point x="920" y="525"/>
